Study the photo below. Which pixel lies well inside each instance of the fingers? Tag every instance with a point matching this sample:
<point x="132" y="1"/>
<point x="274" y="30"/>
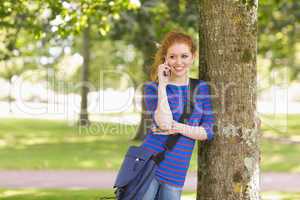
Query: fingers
<point x="164" y="73"/>
<point x="159" y="131"/>
<point x="164" y="67"/>
<point x="174" y="131"/>
<point x="164" y="70"/>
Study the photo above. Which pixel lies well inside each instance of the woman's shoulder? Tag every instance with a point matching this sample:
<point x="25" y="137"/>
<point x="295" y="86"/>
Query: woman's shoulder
<point x="202" y="86"/>
<point x="199" y="82"/>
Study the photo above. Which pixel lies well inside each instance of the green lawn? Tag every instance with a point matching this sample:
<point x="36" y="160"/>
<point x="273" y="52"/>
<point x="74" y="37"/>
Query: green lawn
<point x="281" y="125"/>
<point x="34" y="194"/>
<point x="280" y="157"/>
<point x="49" y="194"/>
<point x="45" y="144"/>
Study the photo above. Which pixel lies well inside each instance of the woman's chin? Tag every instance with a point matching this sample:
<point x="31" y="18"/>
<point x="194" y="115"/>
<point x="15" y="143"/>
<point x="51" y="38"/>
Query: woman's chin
<point x="180" y="73"/>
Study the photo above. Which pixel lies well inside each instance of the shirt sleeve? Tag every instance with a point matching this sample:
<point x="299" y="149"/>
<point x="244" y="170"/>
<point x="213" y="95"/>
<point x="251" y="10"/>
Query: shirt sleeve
<point x="208" y="117"/>
<point x="150" y="100"/>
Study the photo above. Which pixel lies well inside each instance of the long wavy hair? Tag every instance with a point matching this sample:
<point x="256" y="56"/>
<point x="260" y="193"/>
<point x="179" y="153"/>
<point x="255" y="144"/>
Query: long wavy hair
<point x="170" y="39"/>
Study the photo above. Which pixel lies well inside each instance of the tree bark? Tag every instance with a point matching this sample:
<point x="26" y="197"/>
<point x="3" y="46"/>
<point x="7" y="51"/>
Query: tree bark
<point x="145" y="119"/>
<point x="84" y="118"/>
<point x="144" y="124"/>
<point x="229" y="165"/>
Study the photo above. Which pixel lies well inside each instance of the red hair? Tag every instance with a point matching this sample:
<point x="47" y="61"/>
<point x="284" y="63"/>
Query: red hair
<point x="170" y="39"/>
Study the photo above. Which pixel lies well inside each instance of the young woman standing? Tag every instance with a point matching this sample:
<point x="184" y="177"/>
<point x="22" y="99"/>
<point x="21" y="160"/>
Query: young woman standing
<point x="165" y="97"/>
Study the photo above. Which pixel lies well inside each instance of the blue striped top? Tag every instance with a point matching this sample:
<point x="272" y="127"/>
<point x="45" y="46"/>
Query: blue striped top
<point x="172" y="170"/>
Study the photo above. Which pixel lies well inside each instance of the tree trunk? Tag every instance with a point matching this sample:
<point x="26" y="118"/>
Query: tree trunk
<point x="229" y="165"/>
<point x="145" y="119"/>
<point x="84" y="118"/>
<point x="144" y="124"/>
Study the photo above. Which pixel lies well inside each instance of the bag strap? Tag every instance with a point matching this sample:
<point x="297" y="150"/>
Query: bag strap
<point x="187" y="111"/>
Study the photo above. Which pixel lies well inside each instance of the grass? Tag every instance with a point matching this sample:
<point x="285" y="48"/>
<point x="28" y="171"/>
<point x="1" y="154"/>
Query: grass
<point x="45" y="144"/>
<point x="50" y="194"/>
<point x="280" y="157"/>
<point x="281" y="125"/>
<point x="80" y="194"/>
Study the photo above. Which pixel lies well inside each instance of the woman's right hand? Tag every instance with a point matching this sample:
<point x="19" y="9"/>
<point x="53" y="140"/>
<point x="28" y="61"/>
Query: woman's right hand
<point x="164" y="73"/>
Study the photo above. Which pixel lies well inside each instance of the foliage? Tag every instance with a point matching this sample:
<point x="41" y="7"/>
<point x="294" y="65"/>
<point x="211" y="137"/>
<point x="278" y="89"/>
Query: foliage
<point x="145" y="27"/>
<point x="278" y="23"/>
<point x="44" y="24"/>
<point x="125" y="66"/>
<point x="31" y="29"/>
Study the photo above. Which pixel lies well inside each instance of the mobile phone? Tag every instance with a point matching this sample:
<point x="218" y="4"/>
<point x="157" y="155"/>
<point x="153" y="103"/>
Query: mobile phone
<point x="169" y="71"/>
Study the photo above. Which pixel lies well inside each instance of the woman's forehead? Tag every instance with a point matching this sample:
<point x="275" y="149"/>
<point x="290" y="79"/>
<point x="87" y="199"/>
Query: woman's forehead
<point x="179" y="48"/>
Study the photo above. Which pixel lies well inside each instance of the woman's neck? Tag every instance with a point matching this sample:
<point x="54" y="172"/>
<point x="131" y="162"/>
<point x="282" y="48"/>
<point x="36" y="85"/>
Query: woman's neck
<point x="183" y="80"/>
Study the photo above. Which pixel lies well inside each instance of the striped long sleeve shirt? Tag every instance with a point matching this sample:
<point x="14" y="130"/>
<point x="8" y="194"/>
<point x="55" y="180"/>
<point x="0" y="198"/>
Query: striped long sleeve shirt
<point x="173" y="169"/>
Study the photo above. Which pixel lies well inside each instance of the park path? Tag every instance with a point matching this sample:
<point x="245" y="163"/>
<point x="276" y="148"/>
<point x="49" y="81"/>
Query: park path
<point x="284" y="182"/>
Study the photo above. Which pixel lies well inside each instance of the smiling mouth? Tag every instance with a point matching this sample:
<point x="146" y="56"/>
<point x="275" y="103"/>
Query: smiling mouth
<point x="178" y="68"/>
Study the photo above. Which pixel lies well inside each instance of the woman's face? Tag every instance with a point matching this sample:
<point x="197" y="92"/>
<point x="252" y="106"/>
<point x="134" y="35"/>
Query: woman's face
<point x="179" y="58"/>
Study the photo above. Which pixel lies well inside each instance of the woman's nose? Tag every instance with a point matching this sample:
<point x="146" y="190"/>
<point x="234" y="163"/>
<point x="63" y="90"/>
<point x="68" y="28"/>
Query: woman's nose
<point x="178" y="61"/>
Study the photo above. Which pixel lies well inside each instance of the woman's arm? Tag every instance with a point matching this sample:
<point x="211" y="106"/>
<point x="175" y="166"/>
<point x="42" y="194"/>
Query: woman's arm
<point x="194" y="132"/>
<point x="163" y="114"/>
<point x="205" y="130"/>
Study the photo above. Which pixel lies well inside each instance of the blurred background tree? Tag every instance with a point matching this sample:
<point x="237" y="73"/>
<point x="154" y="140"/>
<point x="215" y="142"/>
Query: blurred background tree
<point x="84" y="16"/>
<point x="21" y="23"/>
<point x="279" y="34"/>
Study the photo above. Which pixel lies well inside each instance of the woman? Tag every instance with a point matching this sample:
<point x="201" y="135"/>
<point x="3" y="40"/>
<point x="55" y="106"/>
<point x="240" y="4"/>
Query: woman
<point x="165" y="97"/>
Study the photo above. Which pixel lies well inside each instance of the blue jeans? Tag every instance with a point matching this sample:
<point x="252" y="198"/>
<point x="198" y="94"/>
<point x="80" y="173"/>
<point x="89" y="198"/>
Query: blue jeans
<point x="162" y="191"/>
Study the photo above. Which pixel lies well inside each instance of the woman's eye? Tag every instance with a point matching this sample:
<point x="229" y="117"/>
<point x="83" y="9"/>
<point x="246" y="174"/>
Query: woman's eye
<point x="185" y="56"/>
